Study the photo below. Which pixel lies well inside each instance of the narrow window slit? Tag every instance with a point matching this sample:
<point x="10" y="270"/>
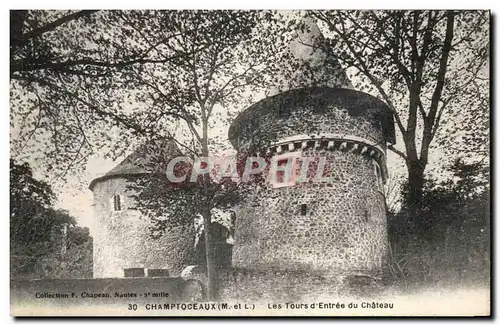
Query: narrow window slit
<point x="117" y="203"/>
<point x="303" y="209"/>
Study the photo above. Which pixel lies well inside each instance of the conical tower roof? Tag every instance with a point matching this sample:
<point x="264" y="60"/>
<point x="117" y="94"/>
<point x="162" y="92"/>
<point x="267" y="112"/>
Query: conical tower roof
<point x="309" y="77"/>
<point x="306" y="62"/>
<point x="147" y="158"/>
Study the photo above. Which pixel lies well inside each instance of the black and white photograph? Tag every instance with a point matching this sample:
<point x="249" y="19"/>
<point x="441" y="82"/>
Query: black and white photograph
<point x="245" y="163"/>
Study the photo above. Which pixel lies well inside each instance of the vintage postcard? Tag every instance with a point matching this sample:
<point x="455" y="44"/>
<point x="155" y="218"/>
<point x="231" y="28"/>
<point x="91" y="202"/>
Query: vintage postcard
<point x="250" y="163"/>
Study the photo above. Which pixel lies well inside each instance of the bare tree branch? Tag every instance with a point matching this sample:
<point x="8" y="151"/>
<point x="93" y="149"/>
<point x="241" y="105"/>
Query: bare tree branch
<point x="51" y="26"/>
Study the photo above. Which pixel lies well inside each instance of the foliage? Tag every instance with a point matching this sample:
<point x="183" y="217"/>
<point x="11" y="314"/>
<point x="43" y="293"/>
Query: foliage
<point x="169" y="205"/>
<point x="28" y="191"/>
<point x="80" y="78"/>
<point x="430" y="67"/>
<point x="36" y="229"/>
<point x="74" y="262"/>
<point x="452" y="238"/>
<point x="32" y="217"/>
<point x="61" y="64"/>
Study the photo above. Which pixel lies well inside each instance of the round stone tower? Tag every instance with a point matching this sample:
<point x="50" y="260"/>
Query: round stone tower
<point x="334" y="220"/>
<point x="122" y="242"/>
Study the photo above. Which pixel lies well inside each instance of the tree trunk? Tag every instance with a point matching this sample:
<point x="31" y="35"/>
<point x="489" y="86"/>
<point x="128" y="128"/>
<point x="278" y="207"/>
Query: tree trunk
<point x="207" y="219"/>
<point x="17" y="18"/>
<point x="211" y="268"/>
<point x="414" y="199"/>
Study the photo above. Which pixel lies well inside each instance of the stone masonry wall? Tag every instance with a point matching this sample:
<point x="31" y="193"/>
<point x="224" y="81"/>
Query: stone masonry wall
<point x="344" y="229"/>
<point x="311" y="113"/>
<point x="122" y="240"/>
<point x="278" y="286"/>
<point x="334" y="121"/>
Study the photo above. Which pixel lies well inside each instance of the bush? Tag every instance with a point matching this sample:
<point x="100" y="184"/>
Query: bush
<point x="450" y="241"/>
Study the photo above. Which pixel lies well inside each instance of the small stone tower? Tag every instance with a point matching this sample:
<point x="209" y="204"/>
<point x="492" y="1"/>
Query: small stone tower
<point x="122" y="243"/>
<point x="334" y="226"/>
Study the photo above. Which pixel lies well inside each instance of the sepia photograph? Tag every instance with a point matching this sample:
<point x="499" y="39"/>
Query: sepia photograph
<point x="244" y="163"/>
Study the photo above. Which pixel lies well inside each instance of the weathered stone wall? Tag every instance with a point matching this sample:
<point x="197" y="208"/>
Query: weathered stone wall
<point x="122" y="239"/>
<point x="335" y="121"/>
<point x="312" y="112"/>
<point x="344" y="229"/>
<point x="277" y="286"/>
